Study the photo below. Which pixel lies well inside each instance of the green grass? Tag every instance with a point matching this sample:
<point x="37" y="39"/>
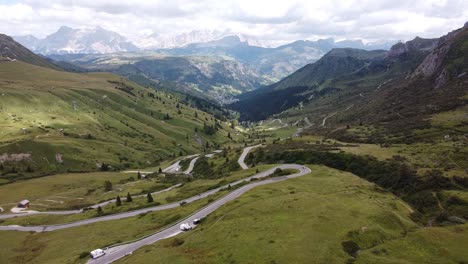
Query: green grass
<point x="446" y="155"/>
<point x="65" y="246"/>
<point x="46" y="185"/>
<point x="302" y="220"/>
<point x="425" y="245"/>
<point x="65" y="191"/>
<point x="88" y="119"/>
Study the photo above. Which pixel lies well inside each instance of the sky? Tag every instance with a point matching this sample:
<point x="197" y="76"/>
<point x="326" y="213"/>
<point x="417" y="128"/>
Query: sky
<point x="269" y="20"/>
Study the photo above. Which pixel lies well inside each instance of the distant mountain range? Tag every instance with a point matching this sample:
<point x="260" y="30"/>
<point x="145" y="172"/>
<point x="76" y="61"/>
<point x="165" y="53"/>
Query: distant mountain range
<point x="275" y="63"/>
<point x="176" y="40"/>
<point x="98" y="40"/>
<point x="214" y="64"/>
<point x="397" y="89"/>
<point x="68" y="40"/>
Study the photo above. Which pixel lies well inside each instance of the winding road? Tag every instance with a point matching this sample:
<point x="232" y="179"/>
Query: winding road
<point x="244" y="154"/>
<point x="191" y="166"/>
<point x="115" y="253"/>
<point x="325" y="119"/>
<point x="47" y="228"/>
<point x="300" y="129"/>
<point x="6" y="216"/>
<point x="175" y="166"/>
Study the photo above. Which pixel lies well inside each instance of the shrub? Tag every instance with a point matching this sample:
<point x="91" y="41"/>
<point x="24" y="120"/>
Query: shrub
<point x="177" y="242"/>
<point x="107" y="185"/>
<point x="84" y="254"/>
<point x="350" y="247"/>
<point x="149" y="198"/>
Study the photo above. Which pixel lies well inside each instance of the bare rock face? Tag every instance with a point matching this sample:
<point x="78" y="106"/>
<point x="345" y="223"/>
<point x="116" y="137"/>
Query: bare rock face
<point x="443" y="77"/>
<point x="433" y="63"/>
<point x="417" y="44"/>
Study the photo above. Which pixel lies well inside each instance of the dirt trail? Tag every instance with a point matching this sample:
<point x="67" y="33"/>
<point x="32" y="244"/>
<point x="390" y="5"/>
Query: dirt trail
<point x="325" y="119"/>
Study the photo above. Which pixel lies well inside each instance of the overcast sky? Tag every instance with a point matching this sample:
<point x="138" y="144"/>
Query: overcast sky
<point x="280" y="20"/>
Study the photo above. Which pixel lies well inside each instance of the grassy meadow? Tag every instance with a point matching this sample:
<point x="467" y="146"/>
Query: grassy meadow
<point x="302" y="220"/>
<point x="55" y="122"/>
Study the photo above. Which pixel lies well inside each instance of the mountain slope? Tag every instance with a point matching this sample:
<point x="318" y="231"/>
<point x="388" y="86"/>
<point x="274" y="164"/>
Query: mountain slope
<point x="307" y="82"/>
<point x="273" y="62"/>
<point x="68" y="40"/>
<point x="12" y="50"/>
<point x="57" y="121"/>
<point x="334" y="64"/>
<point x="397" y="96"/>
<point x="211" y="77"/>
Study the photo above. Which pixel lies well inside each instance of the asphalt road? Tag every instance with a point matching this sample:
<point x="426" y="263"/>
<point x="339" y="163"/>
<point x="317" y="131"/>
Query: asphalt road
<point x="244" y="154"/>
<point x="301" y="129"/>
<point x="191" y="165"/>
<point x="175" y="167"/>
<point x="113" y="254"/>
<point x="47" y="228"/>
<point x="5" y="216"/>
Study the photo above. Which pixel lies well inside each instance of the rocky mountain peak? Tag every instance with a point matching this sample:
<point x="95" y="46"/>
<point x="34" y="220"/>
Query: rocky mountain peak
<point x="417" y="44"/>
<point x="67" y="40"/>
<point x="433" y="64"/>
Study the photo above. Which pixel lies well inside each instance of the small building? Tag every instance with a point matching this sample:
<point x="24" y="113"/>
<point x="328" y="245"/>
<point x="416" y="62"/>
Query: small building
<point x="23" y="204"/>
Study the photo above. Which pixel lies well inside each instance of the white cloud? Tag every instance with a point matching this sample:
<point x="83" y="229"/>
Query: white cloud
<point x="277" y="20"/>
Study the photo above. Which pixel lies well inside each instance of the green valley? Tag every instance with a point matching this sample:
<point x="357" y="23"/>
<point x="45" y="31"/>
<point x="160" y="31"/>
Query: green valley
<point x="299" y="135"/>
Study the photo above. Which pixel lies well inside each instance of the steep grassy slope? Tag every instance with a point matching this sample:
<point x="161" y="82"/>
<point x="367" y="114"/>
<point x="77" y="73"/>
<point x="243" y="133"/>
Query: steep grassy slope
<point x="55" y="121"/>
<point x="13" y="50"/>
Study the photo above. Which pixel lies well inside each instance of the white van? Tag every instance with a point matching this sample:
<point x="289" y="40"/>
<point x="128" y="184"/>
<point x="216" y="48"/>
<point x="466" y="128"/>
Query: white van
<point x="97" y="253"/>
<point x="185" y="227"/>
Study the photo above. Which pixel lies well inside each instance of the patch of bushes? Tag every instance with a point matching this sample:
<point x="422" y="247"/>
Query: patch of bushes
<point x="392" y="175"/>
<point x="350" y="247"/>
<point x="84" y="254"/>
<point x="202" y="169"/>
<point x="177" y="242"/>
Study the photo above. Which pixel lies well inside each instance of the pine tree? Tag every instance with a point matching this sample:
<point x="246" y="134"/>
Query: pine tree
<point x="149" y="198"/>
<point x="107" y="186"/>
<point x="160" y="170"/>
<point x="139" y="175"/>
<point x="99" y="210"/>
<point x="118" y="202"/>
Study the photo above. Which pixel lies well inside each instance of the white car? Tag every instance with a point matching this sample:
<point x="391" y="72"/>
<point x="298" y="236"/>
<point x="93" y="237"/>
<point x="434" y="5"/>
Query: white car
<point x="185" y="227"/>
<point x="97" y="253"/>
